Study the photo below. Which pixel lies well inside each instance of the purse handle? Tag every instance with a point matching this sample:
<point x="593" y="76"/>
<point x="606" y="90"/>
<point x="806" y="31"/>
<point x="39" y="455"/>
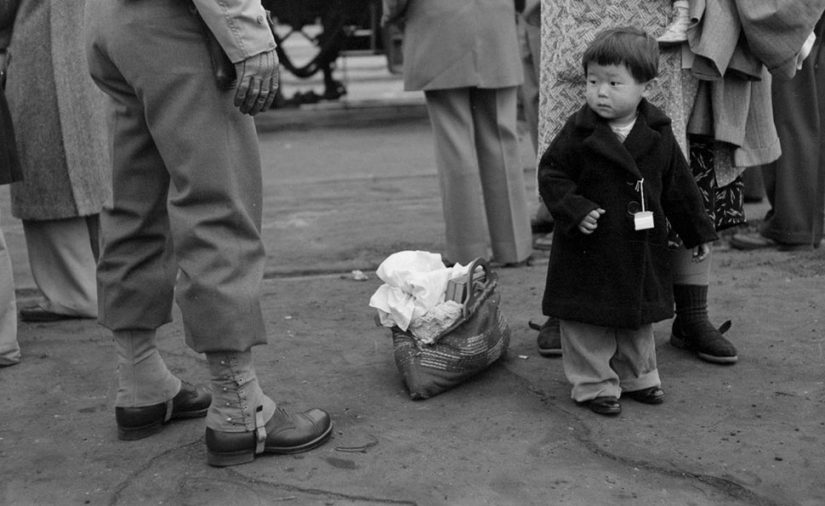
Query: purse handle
<point x="470" y="295"/>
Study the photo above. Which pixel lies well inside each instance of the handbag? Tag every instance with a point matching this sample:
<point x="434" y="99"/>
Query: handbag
<point x="477" y="339"/>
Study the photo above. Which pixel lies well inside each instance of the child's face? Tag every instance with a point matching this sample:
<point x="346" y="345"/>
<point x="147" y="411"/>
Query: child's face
<point x="613" y="93"/>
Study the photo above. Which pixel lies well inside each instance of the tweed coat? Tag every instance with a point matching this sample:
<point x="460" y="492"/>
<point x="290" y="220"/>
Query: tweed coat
<point x="457" y="44"/>
<point x="617" y="276"/>
<point x="57" y="112"/>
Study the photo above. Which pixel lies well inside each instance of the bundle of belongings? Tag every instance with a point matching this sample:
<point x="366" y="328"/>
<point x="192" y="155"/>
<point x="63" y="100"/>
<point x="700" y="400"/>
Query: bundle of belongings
<point x="446" y="322"/>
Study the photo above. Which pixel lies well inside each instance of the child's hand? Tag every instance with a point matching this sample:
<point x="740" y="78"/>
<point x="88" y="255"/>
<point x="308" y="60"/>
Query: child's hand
<point x="590" y="222"/>
<point x="701" y="252"/>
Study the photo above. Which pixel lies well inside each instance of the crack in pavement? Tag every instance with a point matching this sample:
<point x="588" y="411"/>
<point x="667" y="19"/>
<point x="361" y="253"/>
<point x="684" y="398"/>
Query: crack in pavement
<point x="184" y="485"/>
<point x="317" y="491"/>
<point x="583" y="435"/>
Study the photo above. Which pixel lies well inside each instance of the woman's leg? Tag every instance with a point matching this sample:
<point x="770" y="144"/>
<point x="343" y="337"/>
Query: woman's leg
<point x="691" y="329"/>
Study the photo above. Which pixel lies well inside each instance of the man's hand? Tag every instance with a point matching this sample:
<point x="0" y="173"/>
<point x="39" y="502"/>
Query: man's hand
<point x="590" y="222"/>
<point x="257" y="82"/>
<point x="806" y="50"/>
<point x="701" y="252"/>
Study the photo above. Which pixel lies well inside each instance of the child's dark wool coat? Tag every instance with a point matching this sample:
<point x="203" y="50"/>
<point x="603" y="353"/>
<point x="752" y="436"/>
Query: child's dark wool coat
<point x="617" y="276"/>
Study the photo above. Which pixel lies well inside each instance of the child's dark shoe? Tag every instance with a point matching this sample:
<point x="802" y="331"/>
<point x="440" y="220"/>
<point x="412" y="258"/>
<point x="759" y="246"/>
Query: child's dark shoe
<point x="608" y="406"/>
<point x="652" y="395"/>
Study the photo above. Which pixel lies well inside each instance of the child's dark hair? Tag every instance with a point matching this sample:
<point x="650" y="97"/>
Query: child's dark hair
<point x="628" y="46"/>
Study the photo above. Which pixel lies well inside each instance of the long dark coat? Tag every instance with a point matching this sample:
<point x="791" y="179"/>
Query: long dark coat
<point x="617" y="276"/>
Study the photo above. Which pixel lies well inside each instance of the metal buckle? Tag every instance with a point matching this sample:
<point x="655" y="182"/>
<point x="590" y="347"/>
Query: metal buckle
<point x="260" y="430"/>
<point x="168" y="411"/>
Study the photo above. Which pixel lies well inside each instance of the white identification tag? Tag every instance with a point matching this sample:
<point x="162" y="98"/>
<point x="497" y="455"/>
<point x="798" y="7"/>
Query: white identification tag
<point x="644" y="219"/>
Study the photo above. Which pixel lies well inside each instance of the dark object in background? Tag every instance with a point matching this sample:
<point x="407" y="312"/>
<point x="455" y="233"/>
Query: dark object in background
<point x="10" y="170"/>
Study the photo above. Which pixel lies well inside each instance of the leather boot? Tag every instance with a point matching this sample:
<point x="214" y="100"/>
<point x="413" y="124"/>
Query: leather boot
<point x="693" y="331"/>
<point x="148" y="395"/>
<point x="243" y="422"/>
<point x="192" y="401"/>
<point x="549" y="338"/>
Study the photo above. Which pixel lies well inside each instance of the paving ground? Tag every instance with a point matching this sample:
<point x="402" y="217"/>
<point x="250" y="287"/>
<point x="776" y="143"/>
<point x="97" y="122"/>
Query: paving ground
<point x="344" y="189"/>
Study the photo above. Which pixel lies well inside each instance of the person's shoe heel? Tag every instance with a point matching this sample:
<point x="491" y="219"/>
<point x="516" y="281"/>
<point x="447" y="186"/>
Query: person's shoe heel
<point x="225" y="459"/>
<point x="678" y="342"/>
<point x="135" y="433"/>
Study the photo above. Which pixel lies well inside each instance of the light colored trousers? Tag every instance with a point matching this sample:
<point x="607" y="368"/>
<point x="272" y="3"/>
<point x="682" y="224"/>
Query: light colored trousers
<point x="63" y="265"/>
<point x="185" y="217"/>
<point x="603" y="361"/>
<point x="475" y="139"/>
<point x="9" y="348"/>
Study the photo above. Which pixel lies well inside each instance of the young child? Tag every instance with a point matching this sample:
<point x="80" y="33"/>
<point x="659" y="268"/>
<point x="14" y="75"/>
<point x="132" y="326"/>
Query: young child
<point x="614" y="180"/>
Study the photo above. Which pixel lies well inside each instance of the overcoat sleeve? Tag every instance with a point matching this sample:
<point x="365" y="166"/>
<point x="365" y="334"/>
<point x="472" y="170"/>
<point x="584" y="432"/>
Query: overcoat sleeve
<point x="240" y="26"/>
<point x="776" y="30"/>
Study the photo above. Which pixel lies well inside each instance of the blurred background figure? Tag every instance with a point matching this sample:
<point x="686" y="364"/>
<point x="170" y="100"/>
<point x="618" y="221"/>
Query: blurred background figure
<point x="465" y="56"/>
<point x="529" y="34"/>
<point x="60" y="129"/>
<point x="795" y="183"/>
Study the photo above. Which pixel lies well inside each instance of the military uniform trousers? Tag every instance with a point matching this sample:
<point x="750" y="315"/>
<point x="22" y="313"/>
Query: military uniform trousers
<point x="185" y="217"/>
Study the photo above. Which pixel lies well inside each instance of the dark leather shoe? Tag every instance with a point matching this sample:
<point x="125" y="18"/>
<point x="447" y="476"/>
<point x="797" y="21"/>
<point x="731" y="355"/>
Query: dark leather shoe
<point x="137" y="423"/>
<point x="755" y="241"/>
<point x="283" y="434"/>
<point x="705" y="340"/>
<point x="549" y="338"/>
<point x="652" y="395"/>
<point x="34" y="314"/>
<point x="527" y="262"/>
<point x="608" y="406"/>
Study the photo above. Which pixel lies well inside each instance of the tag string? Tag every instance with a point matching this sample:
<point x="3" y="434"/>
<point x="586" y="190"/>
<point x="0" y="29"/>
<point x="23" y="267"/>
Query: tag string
<point x="640" y="184"/>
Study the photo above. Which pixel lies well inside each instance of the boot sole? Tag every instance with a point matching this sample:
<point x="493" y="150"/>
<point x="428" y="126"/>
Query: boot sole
<point x="144" y="431"/>
<point x="135" y="433"/>
<point x="683" y="345"/>
<point x="549" y="352"/>
<point x="225" y="459"/>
